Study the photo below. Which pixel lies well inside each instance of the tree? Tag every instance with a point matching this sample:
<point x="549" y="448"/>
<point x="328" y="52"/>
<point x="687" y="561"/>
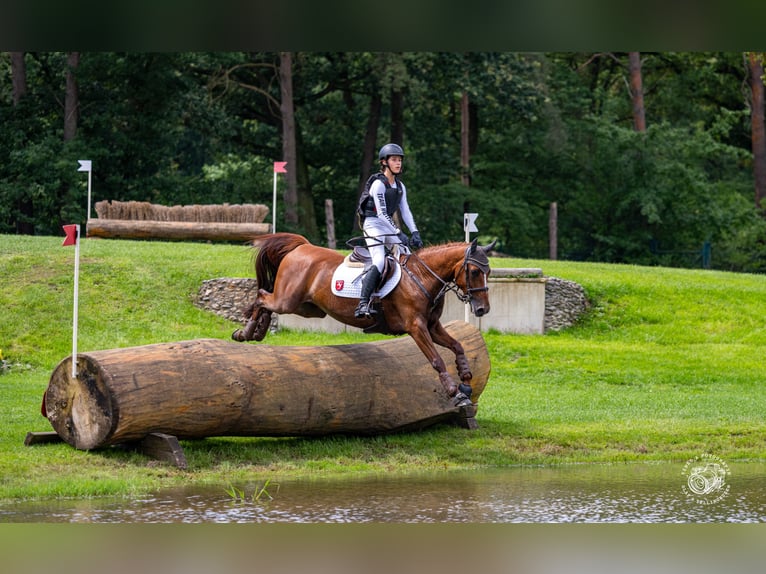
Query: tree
<point x="288" y="137"/>
<point x="758" y="129"/>
<point x="71" y="97"/>
<point x="18" y="76"/>
<point x="637" y="91"/>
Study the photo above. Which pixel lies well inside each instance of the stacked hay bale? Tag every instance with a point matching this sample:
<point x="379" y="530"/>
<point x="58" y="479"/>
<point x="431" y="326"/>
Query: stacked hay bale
<point x="144" y="220"/>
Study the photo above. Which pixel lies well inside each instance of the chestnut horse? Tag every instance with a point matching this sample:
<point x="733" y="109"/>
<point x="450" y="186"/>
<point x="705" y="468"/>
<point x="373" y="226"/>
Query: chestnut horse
<point x="294" y="276"/>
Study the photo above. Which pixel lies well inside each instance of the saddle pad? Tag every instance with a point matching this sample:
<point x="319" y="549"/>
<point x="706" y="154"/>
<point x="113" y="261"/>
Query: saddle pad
<point x="347" y="282"/>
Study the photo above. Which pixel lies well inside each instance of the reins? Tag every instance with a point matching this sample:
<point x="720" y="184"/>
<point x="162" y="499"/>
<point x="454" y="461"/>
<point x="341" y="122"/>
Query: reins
<point x="448" y="285"/>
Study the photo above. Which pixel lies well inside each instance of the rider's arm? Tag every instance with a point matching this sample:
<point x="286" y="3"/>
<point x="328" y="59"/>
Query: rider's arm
<point x="404" y="211"/>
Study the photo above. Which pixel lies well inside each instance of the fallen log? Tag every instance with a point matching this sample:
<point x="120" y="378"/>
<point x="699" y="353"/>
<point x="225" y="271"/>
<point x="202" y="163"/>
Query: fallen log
<point x="174" y="230"/>
<point x="210" y="387"/>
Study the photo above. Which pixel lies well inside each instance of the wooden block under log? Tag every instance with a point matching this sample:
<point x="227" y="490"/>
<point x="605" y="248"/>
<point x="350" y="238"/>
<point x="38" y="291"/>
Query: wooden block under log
<point x="45" y="437"/>
<point x="174" y="230"/>
<point x="211" y="387"/>
<point x="160" y="446"/>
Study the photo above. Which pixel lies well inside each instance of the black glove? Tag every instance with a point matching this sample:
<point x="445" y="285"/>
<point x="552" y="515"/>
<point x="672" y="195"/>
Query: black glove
<point x="416" y="242"/>
<point x="403" y="238"/>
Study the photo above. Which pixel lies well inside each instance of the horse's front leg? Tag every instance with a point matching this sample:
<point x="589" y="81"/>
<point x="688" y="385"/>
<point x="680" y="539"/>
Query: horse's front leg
<point x="441" y="337"/>
<point x="423" y="340"/>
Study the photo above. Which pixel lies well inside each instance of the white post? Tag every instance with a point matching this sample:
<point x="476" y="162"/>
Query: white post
<point x="89" y="204"/>
<point x="76" y="300"/>
<point x="467" y="315"/>
<point x="469" y="225"/>
<point x="86" y="165"/>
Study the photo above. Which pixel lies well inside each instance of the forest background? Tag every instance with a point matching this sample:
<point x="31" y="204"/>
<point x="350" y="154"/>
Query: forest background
<point x="648" y="157"/>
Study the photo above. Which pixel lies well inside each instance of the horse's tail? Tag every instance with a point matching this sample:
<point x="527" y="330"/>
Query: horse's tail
<point x="272" y="249"/>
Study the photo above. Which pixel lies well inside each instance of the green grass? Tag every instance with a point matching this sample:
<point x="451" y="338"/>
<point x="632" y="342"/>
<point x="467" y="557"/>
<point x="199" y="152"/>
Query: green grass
<point x="667" y="364"/>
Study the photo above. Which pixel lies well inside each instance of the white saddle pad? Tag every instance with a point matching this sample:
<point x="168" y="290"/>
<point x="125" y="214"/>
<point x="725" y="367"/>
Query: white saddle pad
<point x="347" y="281"/>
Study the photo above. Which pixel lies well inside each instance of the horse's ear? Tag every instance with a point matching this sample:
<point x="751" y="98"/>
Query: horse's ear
<point x="474" y="243"/>
<point x="490" y="247"/>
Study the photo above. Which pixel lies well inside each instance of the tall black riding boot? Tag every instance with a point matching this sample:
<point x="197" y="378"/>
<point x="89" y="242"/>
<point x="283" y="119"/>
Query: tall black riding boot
<point x="364" y="309"/>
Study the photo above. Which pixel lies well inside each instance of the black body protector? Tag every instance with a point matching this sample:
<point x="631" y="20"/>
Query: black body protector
<point x="393" y="195"/>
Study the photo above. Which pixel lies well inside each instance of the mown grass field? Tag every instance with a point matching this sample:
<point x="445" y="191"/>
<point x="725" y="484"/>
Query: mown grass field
<point x="668" y="364"/>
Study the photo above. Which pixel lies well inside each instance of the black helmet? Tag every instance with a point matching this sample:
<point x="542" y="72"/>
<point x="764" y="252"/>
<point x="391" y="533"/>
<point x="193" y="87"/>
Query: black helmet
<point x="390" y="149"/>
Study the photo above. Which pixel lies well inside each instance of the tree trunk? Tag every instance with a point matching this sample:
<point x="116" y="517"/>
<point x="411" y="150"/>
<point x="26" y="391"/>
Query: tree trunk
<point x="209" y="387"/>
<point x="465" y="150"/>
<point x="71" y="98"/>
<point x="397" y="117"/>
<point x="307" y="220"/>
<point x="553" y="232"/>
<point x="18" y="76"/>
<point x="289" y="153"/>
<point x="24" y="204"/>
<point x="368" y="148"/>
<point x="757" y="127"/>
<point x="637" y="91"/>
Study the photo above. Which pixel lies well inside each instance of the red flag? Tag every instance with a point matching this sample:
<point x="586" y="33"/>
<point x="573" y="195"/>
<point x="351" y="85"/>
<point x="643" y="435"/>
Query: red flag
<point x="71" y="235"/>
<point x="279" y="167"/>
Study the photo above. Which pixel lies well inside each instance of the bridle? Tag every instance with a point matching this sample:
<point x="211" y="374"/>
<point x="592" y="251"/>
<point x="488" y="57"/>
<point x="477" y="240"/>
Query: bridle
<point x="465" y="297"/>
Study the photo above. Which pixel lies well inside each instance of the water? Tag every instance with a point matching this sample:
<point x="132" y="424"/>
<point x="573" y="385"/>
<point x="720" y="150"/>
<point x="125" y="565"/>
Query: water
<point x="615" y="493"/>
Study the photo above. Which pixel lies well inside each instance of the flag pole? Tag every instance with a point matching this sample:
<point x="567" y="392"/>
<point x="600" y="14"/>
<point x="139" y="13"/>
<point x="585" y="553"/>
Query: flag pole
<point x="279" y="167"/>
<point x="76" y="299"/>
<point x="274" y="204"/>
<point x="73" y="238"/>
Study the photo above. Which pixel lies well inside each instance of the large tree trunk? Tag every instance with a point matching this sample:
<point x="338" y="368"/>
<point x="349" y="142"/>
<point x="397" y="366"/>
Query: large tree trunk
<point x="210" y="387"/>
<point x="397" y="117"/>
<point x="18" y="76"/>
<point x="465" y="150"/>
<point x="369" y="154"/>
<point x="289" y="153"/>
<point x="71" y="98"/>
<point x="757" y="127"/>
<point x="19" y="90"/>
<point x="307" y="221"/>
<point x="637" y="91"/>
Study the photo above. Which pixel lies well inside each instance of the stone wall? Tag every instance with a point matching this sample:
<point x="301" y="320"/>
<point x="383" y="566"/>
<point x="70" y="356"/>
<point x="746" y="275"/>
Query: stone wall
<point x="565" y="301"/>
<point x="226" y="297"/>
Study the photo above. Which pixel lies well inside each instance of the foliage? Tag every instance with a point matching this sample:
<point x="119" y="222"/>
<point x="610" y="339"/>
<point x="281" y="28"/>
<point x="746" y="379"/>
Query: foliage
<point x="181" y="128"/>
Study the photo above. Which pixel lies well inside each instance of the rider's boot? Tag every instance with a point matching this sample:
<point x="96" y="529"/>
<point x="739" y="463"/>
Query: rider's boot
<point x="364" y="309"/>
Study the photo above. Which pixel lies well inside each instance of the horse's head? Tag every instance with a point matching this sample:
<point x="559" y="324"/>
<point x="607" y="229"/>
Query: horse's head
<point x="473" y="276"/>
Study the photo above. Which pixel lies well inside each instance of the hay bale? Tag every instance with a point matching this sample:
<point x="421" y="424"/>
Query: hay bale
<point x="209" y="213"/>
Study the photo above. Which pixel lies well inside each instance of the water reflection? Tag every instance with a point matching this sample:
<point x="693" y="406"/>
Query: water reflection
<point x="580" y="493"/>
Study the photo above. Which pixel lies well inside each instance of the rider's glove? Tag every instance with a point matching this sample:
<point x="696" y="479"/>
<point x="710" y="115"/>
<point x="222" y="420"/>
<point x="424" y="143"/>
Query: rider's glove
<point x="415" y="241"/>
<point x="403" y="238"/>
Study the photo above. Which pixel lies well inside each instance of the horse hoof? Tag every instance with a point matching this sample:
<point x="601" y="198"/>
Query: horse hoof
<point x="461" y="400"/>
<point x="465" y="389"/>
<point x="237" y="336"/>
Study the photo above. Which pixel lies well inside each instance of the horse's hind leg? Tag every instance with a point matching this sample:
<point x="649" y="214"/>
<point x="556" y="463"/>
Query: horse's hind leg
<point x="257" y="326"/>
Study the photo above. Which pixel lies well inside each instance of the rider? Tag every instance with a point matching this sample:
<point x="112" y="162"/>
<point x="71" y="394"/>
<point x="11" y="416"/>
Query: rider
<point x="387" y="195"/>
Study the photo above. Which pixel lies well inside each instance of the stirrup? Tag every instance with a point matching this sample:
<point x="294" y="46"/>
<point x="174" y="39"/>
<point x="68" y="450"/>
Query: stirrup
<point x="364" y="309"/>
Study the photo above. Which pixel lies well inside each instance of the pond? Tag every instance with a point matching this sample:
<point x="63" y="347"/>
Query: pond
<point x="698" y="491"/>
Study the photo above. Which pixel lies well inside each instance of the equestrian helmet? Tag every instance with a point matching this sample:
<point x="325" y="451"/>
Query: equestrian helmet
<point x="390" y="149"/>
